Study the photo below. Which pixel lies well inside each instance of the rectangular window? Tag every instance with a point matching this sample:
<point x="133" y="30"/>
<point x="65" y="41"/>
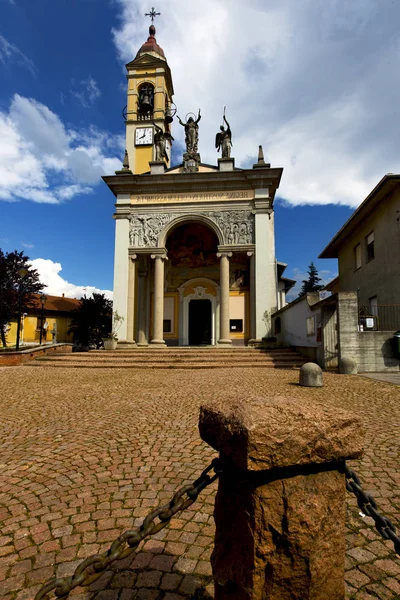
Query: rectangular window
<point x="311" y="326"/>
<point x="370" y="246"/>
<point x="357" y="256"/>
<point x="373" y="305"/>
<point x="167" y="326"/>
<point x="236" y="325"/>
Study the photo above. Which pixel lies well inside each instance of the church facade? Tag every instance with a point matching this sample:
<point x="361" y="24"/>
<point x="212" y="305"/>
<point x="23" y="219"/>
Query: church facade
<point x="194" y="243"/>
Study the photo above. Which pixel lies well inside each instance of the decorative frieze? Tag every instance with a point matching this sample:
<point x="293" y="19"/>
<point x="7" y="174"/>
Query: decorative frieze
<point x="237" y="226"/>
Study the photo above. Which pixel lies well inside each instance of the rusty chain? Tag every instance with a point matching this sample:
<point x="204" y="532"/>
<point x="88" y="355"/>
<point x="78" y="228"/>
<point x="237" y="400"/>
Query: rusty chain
<point x="93" y="567"/>
<point x="368" y="506"/>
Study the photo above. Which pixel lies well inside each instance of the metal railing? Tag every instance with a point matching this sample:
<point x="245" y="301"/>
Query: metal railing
<point x="381" y="317"/>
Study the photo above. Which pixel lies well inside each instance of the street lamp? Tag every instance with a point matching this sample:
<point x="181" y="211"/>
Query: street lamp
<point x="42" y="299"/>
<point x="22" y="273"/>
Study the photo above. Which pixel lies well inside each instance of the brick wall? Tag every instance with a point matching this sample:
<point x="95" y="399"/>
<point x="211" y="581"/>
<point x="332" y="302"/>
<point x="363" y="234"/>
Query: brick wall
<point x="12" y="359"/>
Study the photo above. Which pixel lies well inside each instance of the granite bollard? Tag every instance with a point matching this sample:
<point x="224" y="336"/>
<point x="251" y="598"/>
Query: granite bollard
<point x="280" y="506"/>
<point x="347" y="366"/>
<point x="311" y="375"/>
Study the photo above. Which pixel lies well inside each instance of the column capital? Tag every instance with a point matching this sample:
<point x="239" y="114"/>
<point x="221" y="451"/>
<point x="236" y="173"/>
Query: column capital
<point x="133" y="257"/>
<point x="158" y="253"/>
<point x="227" y="254"/>
<point x="160" y="256"/>
<point x="250" y="254"/>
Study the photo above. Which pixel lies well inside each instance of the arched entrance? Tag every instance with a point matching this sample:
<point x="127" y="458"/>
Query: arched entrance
<point x="192" y="270"/>
<point x="199" y="312"/>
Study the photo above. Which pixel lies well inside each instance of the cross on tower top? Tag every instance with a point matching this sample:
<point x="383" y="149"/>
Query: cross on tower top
<point x="152" y="14"/>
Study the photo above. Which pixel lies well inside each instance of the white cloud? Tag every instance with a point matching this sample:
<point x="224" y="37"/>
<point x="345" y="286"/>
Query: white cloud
<point x="313" y="82"/>
<point x="10" y="54"/>
<point x="87" y="93"/>
<point x="44" y="161"/>
<point x="26" y="245"/>
<point x="49" y="274"/>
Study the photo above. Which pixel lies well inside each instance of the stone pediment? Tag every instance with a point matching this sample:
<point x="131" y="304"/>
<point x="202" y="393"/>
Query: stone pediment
<point x="146" y="60"/>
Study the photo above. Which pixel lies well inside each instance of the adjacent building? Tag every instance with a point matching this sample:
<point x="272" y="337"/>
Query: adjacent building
<point x="49" y="322"/>
<point x="359" y="311"/>
<point x="368" y="251"/>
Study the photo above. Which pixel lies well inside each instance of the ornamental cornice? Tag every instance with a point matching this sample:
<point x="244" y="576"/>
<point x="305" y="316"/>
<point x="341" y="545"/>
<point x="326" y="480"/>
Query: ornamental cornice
<point x="246" y="179"/>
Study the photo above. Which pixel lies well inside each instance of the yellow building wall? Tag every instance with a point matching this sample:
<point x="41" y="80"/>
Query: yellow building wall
<point x="143" y="155"/>
<point x="239" y="308"/>
<point x="30" y="330"/>
<point x="171" y="311"/>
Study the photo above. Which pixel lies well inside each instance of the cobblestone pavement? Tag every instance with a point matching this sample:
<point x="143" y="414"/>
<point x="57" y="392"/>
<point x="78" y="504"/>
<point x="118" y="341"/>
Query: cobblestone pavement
<point x="84" y="453"/>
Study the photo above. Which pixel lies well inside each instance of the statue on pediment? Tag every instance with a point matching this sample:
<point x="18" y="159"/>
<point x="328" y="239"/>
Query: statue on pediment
<point x="223" y="139"/>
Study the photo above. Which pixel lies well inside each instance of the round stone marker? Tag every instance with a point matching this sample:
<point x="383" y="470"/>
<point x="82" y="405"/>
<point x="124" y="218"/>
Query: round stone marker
<point x="348" y="366"/>
<point x="311" y="375"/>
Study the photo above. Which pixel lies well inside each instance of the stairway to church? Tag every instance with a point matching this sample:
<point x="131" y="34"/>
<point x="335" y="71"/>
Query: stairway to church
<point x="176" y="358"/>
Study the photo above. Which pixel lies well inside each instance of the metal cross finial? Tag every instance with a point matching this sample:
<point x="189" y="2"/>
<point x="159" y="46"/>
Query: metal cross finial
<point x="152" y="14"/>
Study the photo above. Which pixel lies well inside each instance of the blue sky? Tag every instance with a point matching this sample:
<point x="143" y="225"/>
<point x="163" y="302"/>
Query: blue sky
<point x="315" y="82"/>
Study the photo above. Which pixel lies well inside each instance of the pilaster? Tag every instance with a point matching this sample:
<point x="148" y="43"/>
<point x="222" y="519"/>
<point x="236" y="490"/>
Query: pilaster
<point x="121" y="273"/>
<point x="265" y="264"/>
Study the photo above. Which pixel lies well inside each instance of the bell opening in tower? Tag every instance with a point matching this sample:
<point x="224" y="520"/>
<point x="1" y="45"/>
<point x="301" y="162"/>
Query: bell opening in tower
<point x="146" y="100"/>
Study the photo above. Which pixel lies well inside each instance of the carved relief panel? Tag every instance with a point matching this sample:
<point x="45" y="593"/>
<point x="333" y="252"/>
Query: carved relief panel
<point x="237" y="226"/>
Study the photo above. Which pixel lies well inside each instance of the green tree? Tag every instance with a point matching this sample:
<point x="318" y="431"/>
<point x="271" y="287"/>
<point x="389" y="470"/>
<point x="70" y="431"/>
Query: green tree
<point x="312" y="283"/>
<point x="92" y="320"/>
<point x="16" y="292"/>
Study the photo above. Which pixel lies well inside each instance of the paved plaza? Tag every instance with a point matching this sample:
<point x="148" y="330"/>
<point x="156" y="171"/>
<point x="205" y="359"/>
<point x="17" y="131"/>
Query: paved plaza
<point x="86" y="453"/>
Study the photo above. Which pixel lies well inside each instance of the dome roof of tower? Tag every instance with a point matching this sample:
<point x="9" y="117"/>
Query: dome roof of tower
<point x="151" y="44"/>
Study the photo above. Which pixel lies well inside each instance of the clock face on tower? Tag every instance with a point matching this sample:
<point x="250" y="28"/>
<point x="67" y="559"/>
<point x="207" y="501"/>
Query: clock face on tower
<point x="144" y="136"/>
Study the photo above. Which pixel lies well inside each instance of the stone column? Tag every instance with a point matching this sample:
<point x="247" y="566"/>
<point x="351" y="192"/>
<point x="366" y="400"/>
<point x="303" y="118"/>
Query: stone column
<point x="158" y="299"/>
<point x="280" y="506"/>
<point x="130" y="325"/>
<point x="224" y="302"/>
<point x="181" y="316"/>
<point x="252" y="297"/>
<point x="141" y="322"/>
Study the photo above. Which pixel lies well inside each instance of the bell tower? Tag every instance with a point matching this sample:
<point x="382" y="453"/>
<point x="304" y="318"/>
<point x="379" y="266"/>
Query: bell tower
<point x="149" y="102"/>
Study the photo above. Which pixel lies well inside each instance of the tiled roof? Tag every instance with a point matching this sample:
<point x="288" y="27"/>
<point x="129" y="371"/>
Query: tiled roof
<point x="56" y="303"/>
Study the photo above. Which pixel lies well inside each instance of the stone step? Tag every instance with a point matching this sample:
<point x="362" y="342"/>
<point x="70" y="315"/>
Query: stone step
<point x="161" y="354"/>
<point x="186" y="360"/>
<point x="176" y="358"/>
<point x="160" y="365"/>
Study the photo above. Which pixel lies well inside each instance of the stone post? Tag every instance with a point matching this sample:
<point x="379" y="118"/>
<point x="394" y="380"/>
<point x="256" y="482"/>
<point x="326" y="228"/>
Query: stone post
<point x="224" y="302"/>
<point x="158" y="300"/>
<point x="280" y="506"/>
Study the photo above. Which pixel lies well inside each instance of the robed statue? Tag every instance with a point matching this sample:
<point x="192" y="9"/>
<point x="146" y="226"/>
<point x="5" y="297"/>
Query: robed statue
<point x="191" y="134"/>
<point x="160" y="138"/>
<point x="223" y="139"/>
